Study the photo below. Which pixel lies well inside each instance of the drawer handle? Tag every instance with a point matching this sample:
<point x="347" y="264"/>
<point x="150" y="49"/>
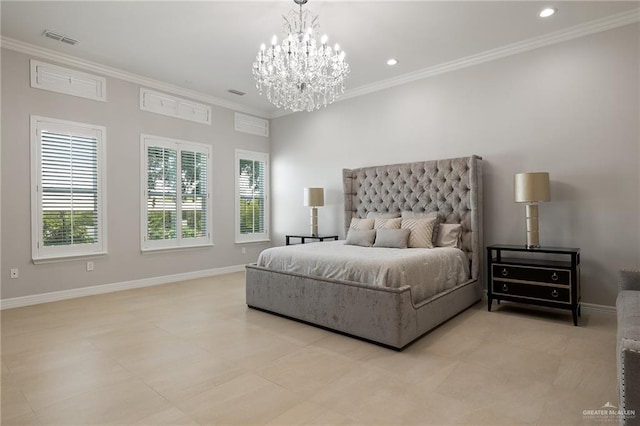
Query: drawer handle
<point x="505" y="287"/>
<point x="554" y="277"/>
<point x="554" y="293"/>
<point x="505" y="272"/>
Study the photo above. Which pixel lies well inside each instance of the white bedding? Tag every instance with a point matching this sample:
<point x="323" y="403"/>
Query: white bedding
<point x="426" y="271"/>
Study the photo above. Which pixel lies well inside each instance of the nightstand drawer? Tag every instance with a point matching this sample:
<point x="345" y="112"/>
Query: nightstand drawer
<point x="532" y="291"/>
<point x="531" y="273"/>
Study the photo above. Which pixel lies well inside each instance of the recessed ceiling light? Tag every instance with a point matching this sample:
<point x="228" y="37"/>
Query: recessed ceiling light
<point x="545" y="13"/>
<point x="392" y="62"/>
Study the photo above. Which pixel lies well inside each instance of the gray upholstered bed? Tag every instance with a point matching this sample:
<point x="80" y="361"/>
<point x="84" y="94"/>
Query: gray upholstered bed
<point x="388" y="316"/>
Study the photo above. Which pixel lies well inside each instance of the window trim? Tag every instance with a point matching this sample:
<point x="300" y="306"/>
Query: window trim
<point x="147" y="140"/>
<point x="254" y="237"/>
<point x="59" y="253"/>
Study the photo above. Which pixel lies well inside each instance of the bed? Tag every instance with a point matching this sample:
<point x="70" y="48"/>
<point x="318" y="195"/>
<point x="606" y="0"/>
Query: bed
<point x="395" y="315"/>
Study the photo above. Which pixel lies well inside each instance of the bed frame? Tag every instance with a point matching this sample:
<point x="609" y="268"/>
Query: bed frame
<point x="387" y="316"/>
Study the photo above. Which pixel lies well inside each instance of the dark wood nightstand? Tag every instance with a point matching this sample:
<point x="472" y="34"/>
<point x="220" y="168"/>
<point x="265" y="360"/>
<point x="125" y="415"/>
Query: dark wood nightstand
<point x="304" y="238"/>
<point x="545" y="276"/>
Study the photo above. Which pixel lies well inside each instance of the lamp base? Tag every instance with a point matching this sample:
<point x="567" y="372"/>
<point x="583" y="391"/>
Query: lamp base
<point x="314" y="221"/>
<point x="533" y="237"/>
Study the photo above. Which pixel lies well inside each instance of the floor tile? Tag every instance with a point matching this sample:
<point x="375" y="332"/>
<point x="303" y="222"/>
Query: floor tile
<point x="192" y="353"/>
<point x="247" y="399"/>
<point x="14" y="403"/>
<point x="121" y="403"/>
<point x="370" y="396"/>
<point x="307" y="371"/>
<point x="45" y="388"/>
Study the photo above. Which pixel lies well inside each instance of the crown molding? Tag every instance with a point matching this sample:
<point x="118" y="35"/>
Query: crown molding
<point x="61" y="58"/>
<point x="585" y="29"/>
<point x="582" y="30"/>
<point x="591" y="27"/>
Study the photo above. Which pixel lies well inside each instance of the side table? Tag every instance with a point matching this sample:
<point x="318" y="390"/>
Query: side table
<point x="304" y="238"/>
<point x="551" y="280"/>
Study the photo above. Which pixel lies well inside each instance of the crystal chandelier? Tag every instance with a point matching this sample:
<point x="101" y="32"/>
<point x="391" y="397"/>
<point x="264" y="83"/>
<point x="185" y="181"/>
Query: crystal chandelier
<point x="300" y="73"/>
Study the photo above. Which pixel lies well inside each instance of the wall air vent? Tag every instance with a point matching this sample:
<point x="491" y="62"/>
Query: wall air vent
<point x="59" y="37"/>
<point x="236" y="92"/>
<point x="253" y="125"/>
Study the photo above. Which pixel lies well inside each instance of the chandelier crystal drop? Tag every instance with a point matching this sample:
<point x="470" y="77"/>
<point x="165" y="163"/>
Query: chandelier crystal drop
<point x="300" y="73"/>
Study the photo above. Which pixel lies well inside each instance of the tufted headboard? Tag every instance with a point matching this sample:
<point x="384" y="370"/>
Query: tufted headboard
<point x="451" y="187"/>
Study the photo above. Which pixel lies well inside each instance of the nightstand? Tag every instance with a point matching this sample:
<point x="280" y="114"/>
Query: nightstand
<point x="544" y="276"/>
<point x="304" y="238"/>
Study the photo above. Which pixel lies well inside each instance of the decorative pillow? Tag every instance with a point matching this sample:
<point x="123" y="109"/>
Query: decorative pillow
<point x="449" y="235"/>
<point x="365" y="224"/>
<point x="421" y="231"/>
<point x="361" y="237"/>
<point x="381" y="215"/>
<point x="424" y="215"/>
<point x="393" y="238"/>
<point x="387" y="223"/>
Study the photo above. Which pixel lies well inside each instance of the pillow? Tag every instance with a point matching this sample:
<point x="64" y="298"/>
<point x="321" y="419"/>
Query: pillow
<point x="365" y="224"/>
<point x="393" y="238"/>
<point x="418" y="215"/>
<point x="421" y="215"/>
<point x="449" y="235"/>
<point x="421" y="231"/>
<point x="387" y="223"/>
<point x="381" y="215"/>
<point x="361" y="237"/>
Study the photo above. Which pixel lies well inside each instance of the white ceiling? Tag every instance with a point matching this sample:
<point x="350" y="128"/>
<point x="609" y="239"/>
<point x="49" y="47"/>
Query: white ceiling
<point x="209" y="47"/>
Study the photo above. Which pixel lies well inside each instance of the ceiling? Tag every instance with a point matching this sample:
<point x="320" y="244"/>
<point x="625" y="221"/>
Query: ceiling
<point x="209" y="46"/>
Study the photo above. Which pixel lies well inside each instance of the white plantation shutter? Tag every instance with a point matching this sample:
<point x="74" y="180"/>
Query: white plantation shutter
<point x="69" y="188"/>
<point x="251" y="181"/>
<point x="252" y="209"/>
<point x="67" y="198"/>
<point x="176" y="201"/>
<point x="194" y="194"/>
<point x="162" y="190"/>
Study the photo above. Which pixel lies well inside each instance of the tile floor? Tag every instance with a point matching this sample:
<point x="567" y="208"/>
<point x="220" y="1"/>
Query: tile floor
<point x="191" y="353"/>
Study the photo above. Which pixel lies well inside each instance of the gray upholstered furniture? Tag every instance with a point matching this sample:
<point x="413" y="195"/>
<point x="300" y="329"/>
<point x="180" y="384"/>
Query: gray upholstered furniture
<point x="628" y="345"/>
<point x="453" y="189"/>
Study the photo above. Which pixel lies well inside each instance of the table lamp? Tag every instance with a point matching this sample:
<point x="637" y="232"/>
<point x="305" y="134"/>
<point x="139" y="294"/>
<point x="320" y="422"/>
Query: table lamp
<point x="314" y="198"/>
<point x="532" y="188"/>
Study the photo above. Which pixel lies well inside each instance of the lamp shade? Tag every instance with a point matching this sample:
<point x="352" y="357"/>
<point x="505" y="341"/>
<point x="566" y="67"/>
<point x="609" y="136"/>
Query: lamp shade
<point x="531" y="187"/>
<point x="314" y="197"/>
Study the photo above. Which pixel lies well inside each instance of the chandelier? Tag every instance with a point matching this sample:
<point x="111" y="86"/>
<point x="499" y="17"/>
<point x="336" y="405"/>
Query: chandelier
<point x="300" y="73"/>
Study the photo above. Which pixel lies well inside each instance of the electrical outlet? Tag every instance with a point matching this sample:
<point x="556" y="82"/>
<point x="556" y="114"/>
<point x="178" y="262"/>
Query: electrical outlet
<point x="14" y="272"/>
<point x="89" y="266"/>
<point x="244" y="250"/>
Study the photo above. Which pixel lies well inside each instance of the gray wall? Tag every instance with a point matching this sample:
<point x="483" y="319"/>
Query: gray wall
<point x="570" y="109"/>
<point x="124" y="122"/>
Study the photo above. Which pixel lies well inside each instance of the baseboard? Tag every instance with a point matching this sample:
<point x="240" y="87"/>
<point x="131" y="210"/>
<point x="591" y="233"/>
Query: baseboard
<point x="595" y="308"/>
<point x="36" y="299"/>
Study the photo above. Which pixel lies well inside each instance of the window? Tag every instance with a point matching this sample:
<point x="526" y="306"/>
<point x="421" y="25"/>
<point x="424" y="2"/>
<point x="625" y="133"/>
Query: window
<point x="252" y="201"/>
<point x="176" y="205"/>
<point x="162" y="103"/>
<point x="67" y="81"/>
<point x="68" y="189"/>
